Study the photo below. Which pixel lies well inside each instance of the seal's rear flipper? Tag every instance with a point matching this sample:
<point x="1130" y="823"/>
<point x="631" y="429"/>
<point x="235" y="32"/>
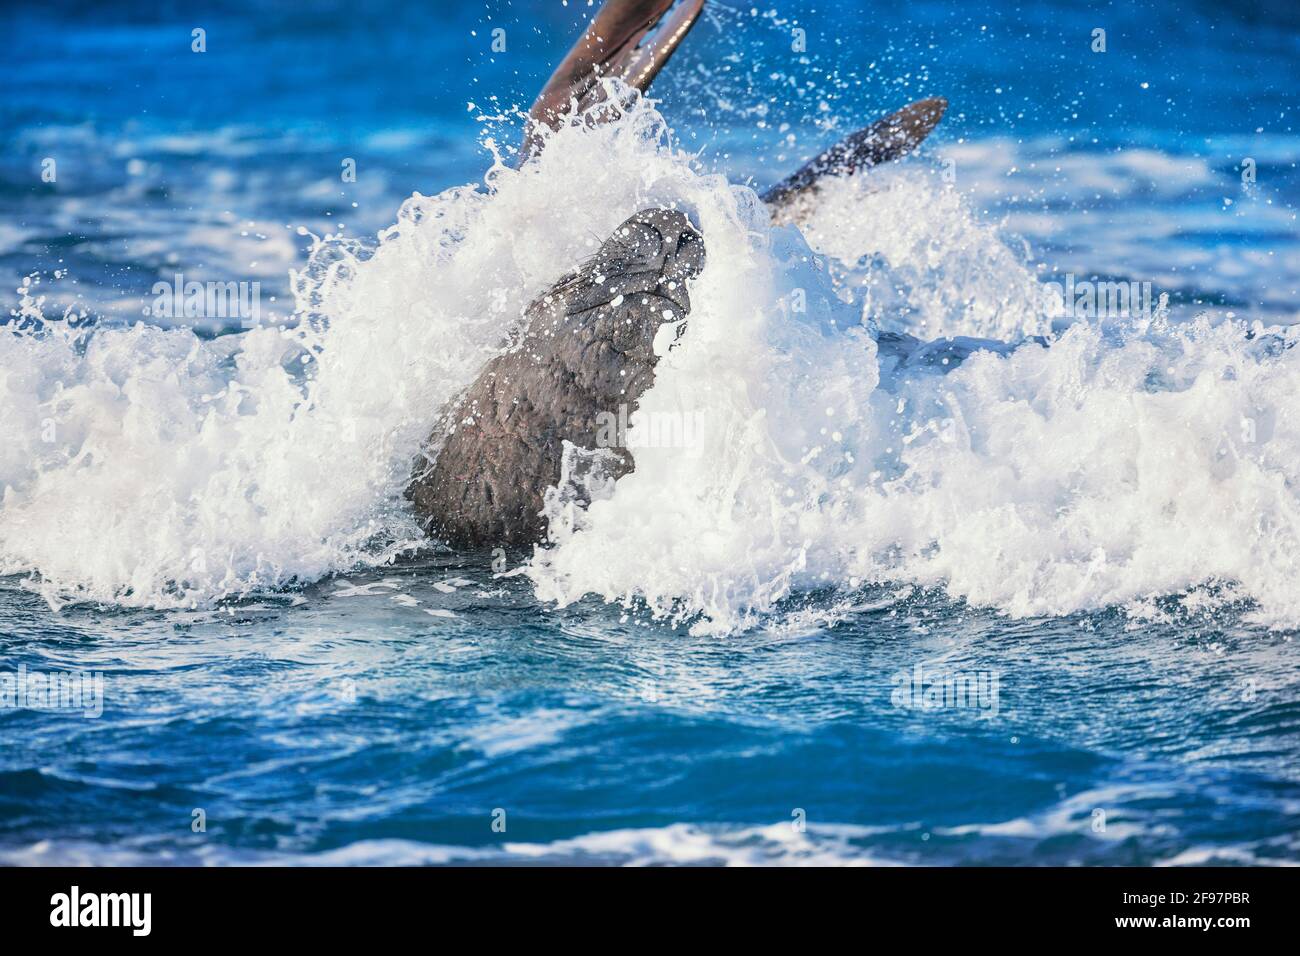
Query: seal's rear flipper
<point x="644" y="64"/>
<point x="615" y="44"/>
<point x="888" y="139"/>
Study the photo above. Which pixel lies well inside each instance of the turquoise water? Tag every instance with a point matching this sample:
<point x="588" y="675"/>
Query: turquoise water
<point x="432" y="710"/>
<point x="354" y="728"/>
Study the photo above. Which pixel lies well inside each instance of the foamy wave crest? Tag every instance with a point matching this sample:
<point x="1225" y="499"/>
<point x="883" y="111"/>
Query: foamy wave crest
<point x="152" y="467"/>
<point x="904" y="245"/>
<point x="1107" y="468"/>
<point x="1114" y="466"/>
<point x="146" y="466"/>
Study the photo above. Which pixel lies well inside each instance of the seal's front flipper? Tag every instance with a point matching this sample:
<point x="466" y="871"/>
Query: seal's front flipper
<point x="644" y="63"/>
<point x="883" y="141"/>
<point x="627" y="40"/>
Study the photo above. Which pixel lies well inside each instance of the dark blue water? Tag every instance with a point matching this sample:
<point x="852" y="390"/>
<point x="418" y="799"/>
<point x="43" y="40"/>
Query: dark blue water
<point x="168" y="157"/>
<point x="434" y="712"/>
<point x="351" y="728"/>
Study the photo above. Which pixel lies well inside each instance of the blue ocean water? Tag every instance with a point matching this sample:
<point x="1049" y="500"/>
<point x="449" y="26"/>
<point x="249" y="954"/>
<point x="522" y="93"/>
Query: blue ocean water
<point x="431" y="710"/>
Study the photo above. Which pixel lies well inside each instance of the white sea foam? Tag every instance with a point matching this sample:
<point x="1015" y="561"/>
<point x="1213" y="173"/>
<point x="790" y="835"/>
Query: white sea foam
<point x="1111" y="467"/>
<point x="906" y="247"/>
<point x="835" y="844"/>
<point x="676" y="844"/>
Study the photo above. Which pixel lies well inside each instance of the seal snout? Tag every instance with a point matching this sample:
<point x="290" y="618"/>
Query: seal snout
<point x="654" y="252"/>
<point x="663" y="241"/>
<point x="687" y="257"/>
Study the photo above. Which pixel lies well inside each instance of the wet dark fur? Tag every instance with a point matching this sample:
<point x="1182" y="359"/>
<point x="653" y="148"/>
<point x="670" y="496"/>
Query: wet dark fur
<point x="583" y="352"/>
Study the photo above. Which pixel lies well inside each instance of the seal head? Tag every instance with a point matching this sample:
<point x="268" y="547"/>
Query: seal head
<point x="587" y="348"/>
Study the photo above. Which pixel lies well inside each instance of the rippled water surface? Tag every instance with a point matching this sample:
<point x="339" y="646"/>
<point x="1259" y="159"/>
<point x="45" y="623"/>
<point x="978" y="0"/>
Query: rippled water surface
<point x="357" y="726"/>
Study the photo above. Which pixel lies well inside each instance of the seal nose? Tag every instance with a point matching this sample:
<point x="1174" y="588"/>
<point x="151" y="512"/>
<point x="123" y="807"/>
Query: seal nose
<point x="654" y="251"/>
<point x="667" y="242"/>
<point x="681" y="256"/>
<point x="687" y="257"/>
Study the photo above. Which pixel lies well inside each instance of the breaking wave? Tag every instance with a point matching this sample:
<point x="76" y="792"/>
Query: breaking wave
<point x="1109" y="463"/>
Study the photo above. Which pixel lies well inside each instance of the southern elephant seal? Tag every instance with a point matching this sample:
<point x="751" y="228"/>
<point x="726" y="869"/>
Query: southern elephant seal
<point x="587" y="348"/>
